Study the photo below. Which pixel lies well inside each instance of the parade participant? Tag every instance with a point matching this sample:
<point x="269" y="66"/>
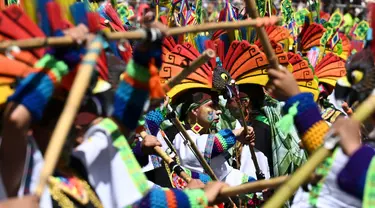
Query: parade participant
<point x="199" y="111"/>
<point x="32" y="112"/>
<point x="246" y="164"/>
<point x="310" y="124"/>
<point x="158" y="171"/>
<point x="106" y="153"/>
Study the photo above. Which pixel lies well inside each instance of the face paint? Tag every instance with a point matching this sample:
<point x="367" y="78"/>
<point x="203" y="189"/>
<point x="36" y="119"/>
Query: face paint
<point x="210" y="117"/>
<point x="207" y="115"/>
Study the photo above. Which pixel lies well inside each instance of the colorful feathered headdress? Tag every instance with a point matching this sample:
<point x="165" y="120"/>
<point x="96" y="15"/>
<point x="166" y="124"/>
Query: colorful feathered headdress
<point x="330" y="69"/>
<point x="304" y="74"/>
<point x="175" y="59"/>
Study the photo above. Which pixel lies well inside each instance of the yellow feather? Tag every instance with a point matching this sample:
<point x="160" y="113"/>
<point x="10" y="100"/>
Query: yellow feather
<point x="30" y="9"/>
<point x="65" y="6"/>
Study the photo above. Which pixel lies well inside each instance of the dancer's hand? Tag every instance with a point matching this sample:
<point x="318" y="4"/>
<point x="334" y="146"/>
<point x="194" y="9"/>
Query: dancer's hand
<point x="349" y="132"/>
<point x="282" y="84"/>
<point x="148" y="144"/>
<point x="212" y="191"/>
<point x="347" y="109"/>
<point x="245" y="137"/>
<point x="79" y="34"/>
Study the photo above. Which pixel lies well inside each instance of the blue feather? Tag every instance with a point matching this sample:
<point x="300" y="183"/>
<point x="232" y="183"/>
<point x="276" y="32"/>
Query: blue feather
<point x="102" y="13"/>
<point x="79" y="13"/>
<point x="87" y="4"/>
<point x="226" y="40"/>
<point x="42" y="13"/>
<point x="243" y="33"/>
<point x="200" y="40"/>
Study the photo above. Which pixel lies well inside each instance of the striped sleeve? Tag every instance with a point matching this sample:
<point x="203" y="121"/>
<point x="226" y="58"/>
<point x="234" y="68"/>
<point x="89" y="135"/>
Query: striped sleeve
<point x="308" y="121"/>
<point x="173" y="198"/>
<point x="223" y="141"/>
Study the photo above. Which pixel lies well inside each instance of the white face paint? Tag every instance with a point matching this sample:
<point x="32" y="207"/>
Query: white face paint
<point x="146" y="105"/>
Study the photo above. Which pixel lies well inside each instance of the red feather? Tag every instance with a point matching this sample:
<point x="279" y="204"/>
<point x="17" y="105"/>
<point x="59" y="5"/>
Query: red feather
<point x="55" y="16"/>
<point x="209" y="44"/>
<point x="243" y="59"/>
<point x="14" y="19"/>
<point x="372" y="22"/>
<point x="117" y="23"/>
<point x="168" y="44"/>
<point x="93" y="21"/>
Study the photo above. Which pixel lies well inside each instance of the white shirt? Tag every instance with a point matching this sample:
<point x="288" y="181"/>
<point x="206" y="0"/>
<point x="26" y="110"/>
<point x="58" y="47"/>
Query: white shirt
<point x="219" y="165"/>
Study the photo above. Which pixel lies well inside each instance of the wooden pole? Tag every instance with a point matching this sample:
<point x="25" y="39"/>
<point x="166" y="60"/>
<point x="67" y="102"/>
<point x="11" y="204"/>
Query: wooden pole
<point x="169" y="160"/>
<point x="258" y="186"/>
<point x="73" y="103"/>
<point x="251" y="9"/>
<point x="365" y="110"/>
<point x="253" y="187"/>
<point x="258" y="171"/>
<point x="139" y="34"/>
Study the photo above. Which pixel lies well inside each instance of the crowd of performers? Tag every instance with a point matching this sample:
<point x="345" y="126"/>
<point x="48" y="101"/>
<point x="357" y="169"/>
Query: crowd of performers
<point x="248" y="121"/>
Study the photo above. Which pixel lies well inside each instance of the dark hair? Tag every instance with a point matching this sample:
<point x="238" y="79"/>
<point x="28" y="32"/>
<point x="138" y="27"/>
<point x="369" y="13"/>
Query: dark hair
<point x="256" y="95"/>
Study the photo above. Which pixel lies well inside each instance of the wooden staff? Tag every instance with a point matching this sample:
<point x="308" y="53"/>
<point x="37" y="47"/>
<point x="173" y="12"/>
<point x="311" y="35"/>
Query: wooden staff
<point x="140" y="34"/>
<point x="206" y="56"/>
<point x="253" y="187"/>
<point x="258" y="171"/>
<point x="363" y="111"/>
<point x="258" y="186"/>
<point x="172" y="164"/>
<point x="268" y="50"/>
<point x="73" y="103"/>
